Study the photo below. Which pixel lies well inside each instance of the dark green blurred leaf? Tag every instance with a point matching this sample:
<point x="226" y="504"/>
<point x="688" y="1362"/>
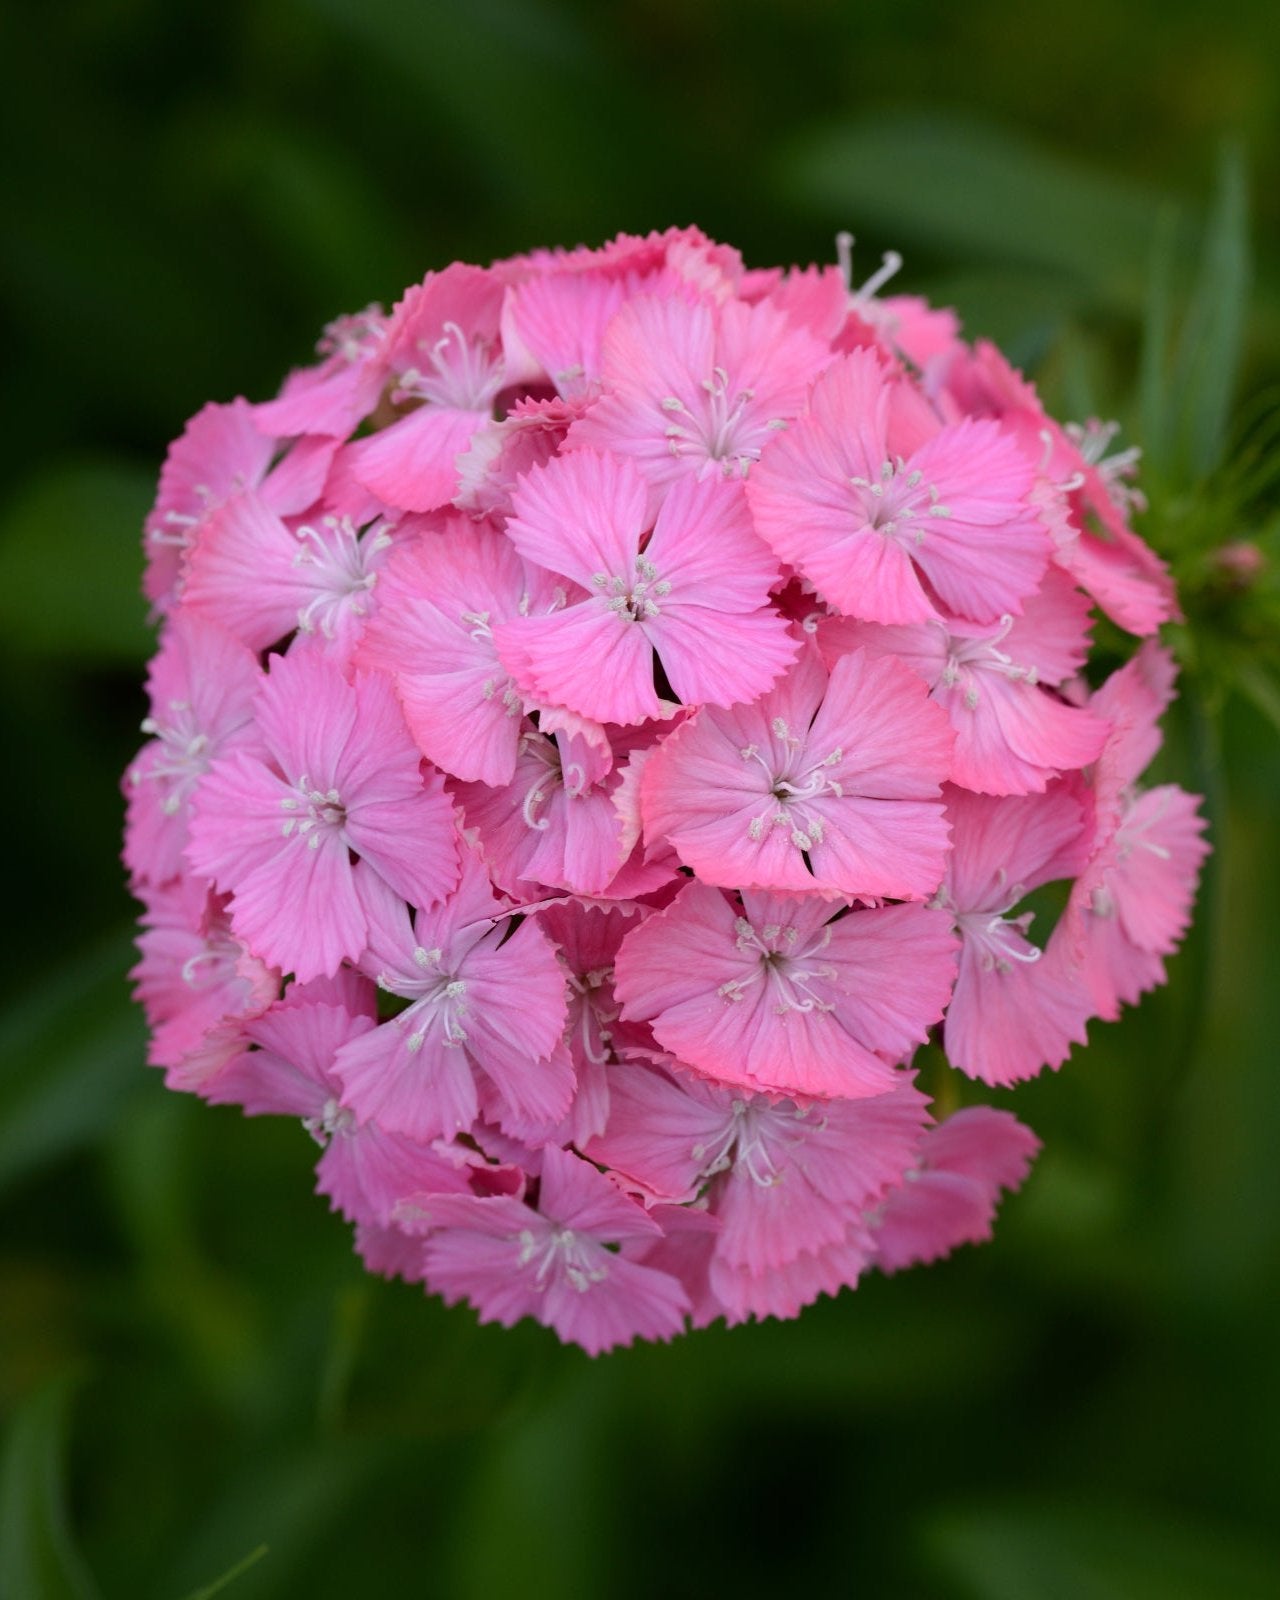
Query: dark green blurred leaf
<point x="70" y="562"/>
<point x="69" y="1056"/>
<point x="1154" y="394"/>
<point x="1208" y="359"/>
<point x="38" y="1556"/>
<point x="1058" y="1551"/>
<point x="230" y="1576"/>
<point x="991" y="195"/>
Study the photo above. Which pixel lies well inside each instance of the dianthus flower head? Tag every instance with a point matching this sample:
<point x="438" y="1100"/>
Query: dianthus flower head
<point x="610" y="712"/>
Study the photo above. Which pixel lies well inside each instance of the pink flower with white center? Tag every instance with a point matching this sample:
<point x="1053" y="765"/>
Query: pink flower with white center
<point x="1016" y="1008"/>
<point x="555" y="1260"/>
<point x="483" y="1002"/>
<point x="949" y="1197"/>
<point x="785" y="993"/>
<point x="1013" y="734"/>
<point x="193" y="973"/>
<point x="559" y="323"/>
<point x="893" y="532"/>
<point x="444" y="358"/>
<point x="827" y="783"/>
<point x="262" y="580"/>
<point x="444" y="594"/>
<point x="201" y="685"/>
<point x="785" y="1180"/>
<point x="690" y="388"/>
<point x="286" y="1069"/>
<point x="693" y="592"/>
<point x="340" y="776"/>
<point x="222" y="452"/>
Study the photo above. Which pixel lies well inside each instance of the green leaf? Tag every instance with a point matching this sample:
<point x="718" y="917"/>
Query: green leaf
<point x="1029" y="1551"/>
<point x="38" y="1556"/>
<point x="230" y="1576"/>
<point x="1153" y="376"/>
<point x="962" y="187"/>
<point x="1209" y="351"/>
<point x="69" y="1056"/>
<point x="70" y="563"/>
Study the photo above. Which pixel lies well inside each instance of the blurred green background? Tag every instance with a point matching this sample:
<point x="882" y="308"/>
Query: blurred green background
<point x="192" y="1368"/>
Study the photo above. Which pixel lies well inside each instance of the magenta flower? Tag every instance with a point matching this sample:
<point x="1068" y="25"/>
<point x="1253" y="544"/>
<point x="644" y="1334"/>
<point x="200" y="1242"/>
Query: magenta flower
<point x="611" y="712"/>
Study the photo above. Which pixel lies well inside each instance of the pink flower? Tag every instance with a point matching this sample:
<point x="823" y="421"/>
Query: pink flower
<point x="949" y="1196"/>
<point x="550" y="1261"/>
<point x="825" y="783"/>
<point x="692" y="389"/>
<point x="1016" y="1007"/>
<point x="201" y="685"/>
<point x="773" y="994"/>
<point x="339" y="776"/>
<point x="484" y="1002"/>
<point x="691" y="588"/>
<point x="445" y="593"/>
<point x="889" y="521"/>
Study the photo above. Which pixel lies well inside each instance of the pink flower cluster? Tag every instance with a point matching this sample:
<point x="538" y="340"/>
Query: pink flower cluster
<point x="609" y="712"/>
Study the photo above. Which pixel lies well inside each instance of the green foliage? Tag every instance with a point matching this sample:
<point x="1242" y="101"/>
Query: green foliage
<point x="38" y="1555"/>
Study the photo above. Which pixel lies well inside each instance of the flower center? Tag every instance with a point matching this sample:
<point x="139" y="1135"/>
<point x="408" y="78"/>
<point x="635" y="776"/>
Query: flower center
<point x="458" y="373"/>
<point x="574" y="1257"/>
<point x="312" y="813"/>
<point x="340" y="564"/>
<point x="634" y="599"/>
<point x="898" y="503"/>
